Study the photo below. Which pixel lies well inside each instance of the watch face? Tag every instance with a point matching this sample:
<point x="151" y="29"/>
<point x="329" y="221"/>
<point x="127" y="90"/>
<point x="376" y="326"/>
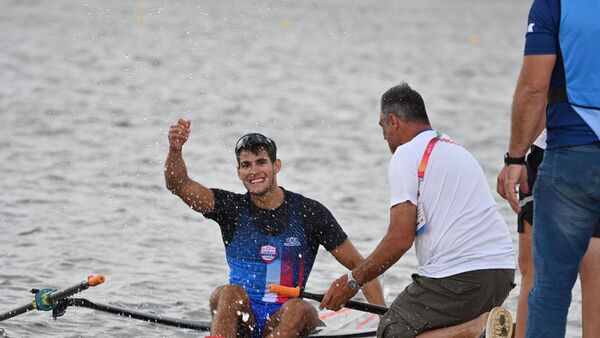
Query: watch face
<point x="353" y="285"/>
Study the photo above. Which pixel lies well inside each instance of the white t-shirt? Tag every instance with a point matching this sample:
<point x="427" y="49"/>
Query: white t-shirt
<point x="464" y="230"/>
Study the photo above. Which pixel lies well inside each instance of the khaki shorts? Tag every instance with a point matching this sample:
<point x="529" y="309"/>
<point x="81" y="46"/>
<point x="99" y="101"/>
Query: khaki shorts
<point x="432" y="303"/>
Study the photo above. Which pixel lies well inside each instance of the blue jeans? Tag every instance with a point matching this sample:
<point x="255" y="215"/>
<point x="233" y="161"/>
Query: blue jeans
<point x="566" y="213"/>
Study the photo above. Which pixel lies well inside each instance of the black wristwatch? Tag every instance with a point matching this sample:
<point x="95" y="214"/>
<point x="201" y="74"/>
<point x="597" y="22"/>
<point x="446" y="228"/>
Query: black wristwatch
<point x="352" y="283"/>
<point x="513" y="160"/>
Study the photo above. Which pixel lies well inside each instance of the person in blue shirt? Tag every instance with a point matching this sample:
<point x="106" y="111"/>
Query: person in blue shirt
<point x="560" y="75"/>
<point x="271" y="236"/>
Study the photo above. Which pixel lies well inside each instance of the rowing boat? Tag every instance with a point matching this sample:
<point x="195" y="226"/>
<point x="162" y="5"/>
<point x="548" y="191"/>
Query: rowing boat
<point x="347" y="323"/>
<point x="355" y="320"/>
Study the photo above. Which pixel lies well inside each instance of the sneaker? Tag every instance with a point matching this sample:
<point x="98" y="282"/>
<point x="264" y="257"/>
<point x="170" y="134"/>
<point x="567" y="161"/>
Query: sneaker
<point x="499" y="324"/>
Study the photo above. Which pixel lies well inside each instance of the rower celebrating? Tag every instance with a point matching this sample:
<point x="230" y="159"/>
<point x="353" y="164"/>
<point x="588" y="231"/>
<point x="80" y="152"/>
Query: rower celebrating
<point x="271" y="236"/>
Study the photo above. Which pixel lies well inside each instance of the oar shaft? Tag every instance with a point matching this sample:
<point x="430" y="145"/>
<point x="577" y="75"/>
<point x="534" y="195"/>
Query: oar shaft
<point x="16" y="312"/>
<point x="58" y="295"/>
<point x="148" y="317"/>
<point x="299" y="292"/>
<point x="351" y="304"/>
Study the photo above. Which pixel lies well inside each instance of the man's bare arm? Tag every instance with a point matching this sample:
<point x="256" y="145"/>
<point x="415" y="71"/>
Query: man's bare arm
<point x="529" y="102"/>
<point x="397" y="240"/>
<point x="349" y="257"/>
<point x="194" y="194"/>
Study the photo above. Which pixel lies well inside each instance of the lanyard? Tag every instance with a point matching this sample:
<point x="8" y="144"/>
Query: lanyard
<point x="421" y="221"/>
<point x="426" y="155"/>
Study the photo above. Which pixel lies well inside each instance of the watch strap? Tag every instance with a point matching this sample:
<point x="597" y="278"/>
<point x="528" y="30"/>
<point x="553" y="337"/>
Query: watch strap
<point x="513" y="160"/>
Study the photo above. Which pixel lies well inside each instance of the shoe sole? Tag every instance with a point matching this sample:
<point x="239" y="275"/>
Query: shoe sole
<point x="499" y="324"/>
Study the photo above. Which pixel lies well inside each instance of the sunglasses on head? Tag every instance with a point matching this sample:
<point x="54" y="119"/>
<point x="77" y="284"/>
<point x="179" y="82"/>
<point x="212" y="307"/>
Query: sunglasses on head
<point x="254" y="141"/>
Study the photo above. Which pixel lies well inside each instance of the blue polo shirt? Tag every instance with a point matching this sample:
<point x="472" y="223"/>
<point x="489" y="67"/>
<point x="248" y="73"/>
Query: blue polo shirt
<point x="571" y="31"/>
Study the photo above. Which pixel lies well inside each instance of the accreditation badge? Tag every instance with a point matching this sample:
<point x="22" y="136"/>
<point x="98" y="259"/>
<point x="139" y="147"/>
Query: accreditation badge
<point x="421" y="221"/>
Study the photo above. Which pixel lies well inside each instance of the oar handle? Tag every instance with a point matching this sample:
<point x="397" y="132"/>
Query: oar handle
<point x="297" y="292"/>
<point x="92" y="280"/>
<point x="286" y="290"/>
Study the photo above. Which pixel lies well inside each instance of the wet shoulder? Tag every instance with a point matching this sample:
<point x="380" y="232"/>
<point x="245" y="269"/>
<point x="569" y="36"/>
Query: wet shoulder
<point x="306" y="207"/>
<point x="227" y="203"/>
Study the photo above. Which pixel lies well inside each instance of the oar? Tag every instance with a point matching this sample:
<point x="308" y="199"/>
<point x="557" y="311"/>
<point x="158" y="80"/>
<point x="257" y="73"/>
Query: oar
<point x="297" y="292"/>
<point x="152" y="318"/>
<point x="46" y="299"/>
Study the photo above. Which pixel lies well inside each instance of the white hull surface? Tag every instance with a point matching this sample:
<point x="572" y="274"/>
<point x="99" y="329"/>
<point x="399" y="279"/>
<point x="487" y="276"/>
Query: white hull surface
<point x="347" y="323"/>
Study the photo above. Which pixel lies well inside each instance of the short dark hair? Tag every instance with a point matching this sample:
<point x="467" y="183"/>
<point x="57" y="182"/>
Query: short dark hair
<point x="254" y="143"/>
<point x="404" y="102"/>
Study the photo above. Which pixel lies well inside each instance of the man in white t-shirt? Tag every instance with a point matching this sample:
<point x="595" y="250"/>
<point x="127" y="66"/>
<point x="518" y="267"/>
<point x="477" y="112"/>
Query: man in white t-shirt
<point x="441" y="202"/>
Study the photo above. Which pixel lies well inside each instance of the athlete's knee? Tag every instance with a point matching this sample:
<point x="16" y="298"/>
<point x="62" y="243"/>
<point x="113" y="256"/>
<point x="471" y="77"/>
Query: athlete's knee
<point x="298" y="308"/>
<point x="233" y="296"/>
<point x="299" y="314"/>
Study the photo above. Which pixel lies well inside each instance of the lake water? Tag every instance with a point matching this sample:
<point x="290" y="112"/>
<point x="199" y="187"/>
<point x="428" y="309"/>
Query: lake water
<point x="89" y="89"/>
